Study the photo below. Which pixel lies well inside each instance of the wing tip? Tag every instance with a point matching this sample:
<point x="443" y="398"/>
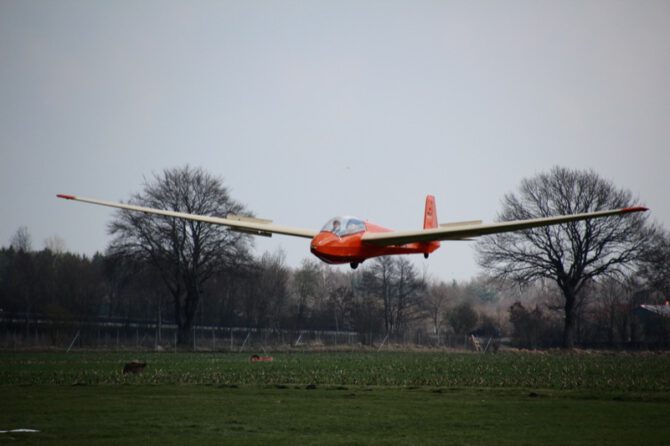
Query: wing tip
<point x="66" y="197"/>
<point x="634" y="209"/>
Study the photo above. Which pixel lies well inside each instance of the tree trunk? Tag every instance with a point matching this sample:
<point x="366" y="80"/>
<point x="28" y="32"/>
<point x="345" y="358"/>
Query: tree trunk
<point x="186" y="317"/>
<point x="185" y="335"/>
<point x="570" y="320"/>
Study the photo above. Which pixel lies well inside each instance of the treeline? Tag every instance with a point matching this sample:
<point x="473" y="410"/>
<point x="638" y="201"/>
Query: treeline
<point x="611" y="314"/>
<point x="387" y="295"/>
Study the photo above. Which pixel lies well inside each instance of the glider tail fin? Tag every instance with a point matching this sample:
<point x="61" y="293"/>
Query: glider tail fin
<point x="430" y="213"/>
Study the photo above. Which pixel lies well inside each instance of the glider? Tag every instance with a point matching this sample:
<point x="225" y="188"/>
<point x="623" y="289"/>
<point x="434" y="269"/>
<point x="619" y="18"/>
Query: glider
<point x="352" y="240"/>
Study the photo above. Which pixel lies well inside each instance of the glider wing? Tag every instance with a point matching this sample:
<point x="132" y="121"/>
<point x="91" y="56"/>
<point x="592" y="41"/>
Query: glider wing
<point x="468" y="230"/>
<point x="249" y="225"/>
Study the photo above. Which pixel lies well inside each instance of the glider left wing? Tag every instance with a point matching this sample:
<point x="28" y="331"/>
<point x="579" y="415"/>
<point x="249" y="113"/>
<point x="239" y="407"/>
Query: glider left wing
<point x="249" y="225"/>
<point x="468" y="230"/>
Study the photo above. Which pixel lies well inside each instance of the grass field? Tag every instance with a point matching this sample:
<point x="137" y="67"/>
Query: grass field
<point x="336" y="398"/>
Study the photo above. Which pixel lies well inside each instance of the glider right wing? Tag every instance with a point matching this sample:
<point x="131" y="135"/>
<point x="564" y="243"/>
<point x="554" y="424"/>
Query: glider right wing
<point x="468" y="230"/>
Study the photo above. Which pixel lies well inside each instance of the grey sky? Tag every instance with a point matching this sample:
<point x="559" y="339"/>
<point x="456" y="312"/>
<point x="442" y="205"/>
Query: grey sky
<point x="310" y="109"/>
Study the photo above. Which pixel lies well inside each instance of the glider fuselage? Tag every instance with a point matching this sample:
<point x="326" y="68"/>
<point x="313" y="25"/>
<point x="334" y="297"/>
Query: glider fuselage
<point x="338" y="246"/>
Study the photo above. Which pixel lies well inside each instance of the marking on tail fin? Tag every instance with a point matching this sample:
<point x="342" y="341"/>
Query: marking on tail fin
<point x="430" y="213"/>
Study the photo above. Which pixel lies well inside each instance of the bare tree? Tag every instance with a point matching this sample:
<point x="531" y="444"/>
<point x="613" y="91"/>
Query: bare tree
<point x="395" y="281"/>
<point x="341" y="301"/>
<point x="306" y="288"/>
<point x="409" y="290"/>
<point x="21" y="240"/>
<point x="377" y="281"/>
<point x="186" y="253"/>
<point x="338" y="300"/>
<point x="273" y="285"/>
<point x="55" y="244"/>
<point x="570" y="254"/>
<point x="613" y="309"/>
<point x="435" y="304"/>
<point x="656" y="263"/>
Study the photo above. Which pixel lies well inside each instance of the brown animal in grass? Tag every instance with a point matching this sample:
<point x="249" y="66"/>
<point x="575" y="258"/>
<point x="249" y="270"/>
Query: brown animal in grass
<point x="135" y="367"/>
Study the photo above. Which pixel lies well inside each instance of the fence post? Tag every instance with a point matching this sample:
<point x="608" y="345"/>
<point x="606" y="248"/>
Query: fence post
<point x="76" y="336"/>
<point x="245" y="341"/>
<point x="383" y="342"/>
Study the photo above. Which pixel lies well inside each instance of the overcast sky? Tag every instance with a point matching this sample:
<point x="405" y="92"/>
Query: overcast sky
<point x="310" y="109"/>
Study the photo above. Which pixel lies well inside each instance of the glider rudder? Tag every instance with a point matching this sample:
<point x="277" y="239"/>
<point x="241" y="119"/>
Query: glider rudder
<point x="430" y="213"/>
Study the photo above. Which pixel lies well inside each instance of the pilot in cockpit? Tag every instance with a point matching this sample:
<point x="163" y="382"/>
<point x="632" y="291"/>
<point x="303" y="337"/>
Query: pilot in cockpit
<point x="336" y="227"/>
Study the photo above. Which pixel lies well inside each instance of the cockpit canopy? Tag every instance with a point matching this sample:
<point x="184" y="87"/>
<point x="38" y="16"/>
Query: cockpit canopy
<point x="342" y="226"/>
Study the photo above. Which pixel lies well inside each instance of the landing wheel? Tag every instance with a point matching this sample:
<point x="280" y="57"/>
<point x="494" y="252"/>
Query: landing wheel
<point x="425" y="255"/>
<point x="354" y="265"/>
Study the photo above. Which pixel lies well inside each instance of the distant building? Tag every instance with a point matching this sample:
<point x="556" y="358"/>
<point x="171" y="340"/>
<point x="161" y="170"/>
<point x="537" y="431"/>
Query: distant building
<point x="654" y="325"/>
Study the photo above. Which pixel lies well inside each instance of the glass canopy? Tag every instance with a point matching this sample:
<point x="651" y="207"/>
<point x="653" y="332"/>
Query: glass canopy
<point x="342" y="226"/>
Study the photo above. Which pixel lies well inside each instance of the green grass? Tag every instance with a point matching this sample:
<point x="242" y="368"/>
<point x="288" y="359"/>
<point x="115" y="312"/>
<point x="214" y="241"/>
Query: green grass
<point x="603" y="372"/>
<point x="326" y="398"/>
